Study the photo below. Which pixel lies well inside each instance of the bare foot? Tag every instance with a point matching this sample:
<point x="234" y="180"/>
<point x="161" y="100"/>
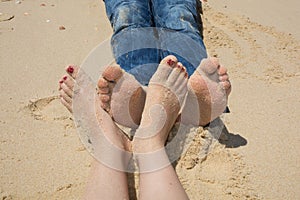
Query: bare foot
<point x="66" y="90"/>
<point x="209" y="88"/>
<point x="121" y="96"/>
<point x="165" y="95"/>
<point x="66" y="85"/>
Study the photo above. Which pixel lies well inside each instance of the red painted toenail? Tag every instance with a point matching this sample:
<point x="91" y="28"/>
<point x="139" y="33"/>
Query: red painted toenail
<point x="65" y="77"/>
<point x="70" y="69"/>
<point x="60" y="82"/>
<point x="186" y="75"/>
<point x="170" y="62"/>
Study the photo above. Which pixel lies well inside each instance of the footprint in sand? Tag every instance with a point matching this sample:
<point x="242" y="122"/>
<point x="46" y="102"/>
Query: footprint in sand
<point x="47" y="108"/>
<point x="208" y="164"/>
<point x="250" y="47"/>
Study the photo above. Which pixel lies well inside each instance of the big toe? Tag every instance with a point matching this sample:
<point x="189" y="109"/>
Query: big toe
<point x="112" y="73"/>
<point x="169" y="60"/>
<point x="67" y="82"/>
<point x="172" y="75"/>
<point x="209" y="65"/>
<point x="164" y="69"/>
<point x="72" y="70"/>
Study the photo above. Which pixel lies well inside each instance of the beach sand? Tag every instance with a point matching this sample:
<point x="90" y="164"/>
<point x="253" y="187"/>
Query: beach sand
<point x="42" y="156"/>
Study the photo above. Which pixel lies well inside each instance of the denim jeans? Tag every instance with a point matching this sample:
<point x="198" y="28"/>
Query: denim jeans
<point x="146" y="31"/>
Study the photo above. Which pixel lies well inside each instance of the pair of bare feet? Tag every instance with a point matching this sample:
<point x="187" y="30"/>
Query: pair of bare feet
<point x="155" y="111"/>
<point x="208" y="89"/>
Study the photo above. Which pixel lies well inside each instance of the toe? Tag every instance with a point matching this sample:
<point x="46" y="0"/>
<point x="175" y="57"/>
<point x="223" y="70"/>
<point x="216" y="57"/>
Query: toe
<point x="164" y="69"/>
<point x="66" y="97"/>
<point x="181" y="67"/>
<point x="69" y="81"/>
<point x="226" y="85"/>
<point x="105" y="106"/>
<point x="105" y="98"/>
<point x="83" y="80"/>
<point x="72" y="70"/>
<point x="209" y="65"/>
<point x="215" y="61"/>
<point x="66" y="89"/>
<point x="224" y="77"/>
<point x="183" y="73"/>
<point x="112" y="73"/>
<point x="103" y="90"/>
<point x="67" y="105"/>
<point x="170" y="61"/>
<point x="182" y="85"/>
<point x="102" y="83"/>
<point x="103" y="86"/>
<point x="59" y="84"/>
<point x="222" y="70"/>
<point x="174" y="75"/>
<point x="178" y="81"/>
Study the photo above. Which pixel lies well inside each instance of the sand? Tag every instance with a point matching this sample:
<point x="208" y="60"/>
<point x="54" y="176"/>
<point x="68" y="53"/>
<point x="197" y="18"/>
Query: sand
<point x="42" y="156"/>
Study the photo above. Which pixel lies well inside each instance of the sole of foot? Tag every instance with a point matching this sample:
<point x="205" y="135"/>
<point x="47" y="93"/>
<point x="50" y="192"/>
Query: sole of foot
<point x="209" y="88"/>
<point x="121" y="96"/>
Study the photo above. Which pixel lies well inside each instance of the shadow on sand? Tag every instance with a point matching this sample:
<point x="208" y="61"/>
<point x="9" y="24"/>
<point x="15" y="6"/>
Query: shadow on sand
<point x="233" y="140"/>
<point x="219" y="130"/>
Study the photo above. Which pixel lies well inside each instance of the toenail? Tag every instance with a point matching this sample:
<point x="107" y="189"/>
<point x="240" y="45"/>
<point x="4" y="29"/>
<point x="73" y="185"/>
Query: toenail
<point x="186" y="75"/>
<point x="65" y="77"/>
<point x="170" y="62"/>
<point x="70" y="69"/>
<point x="60" y="82"/>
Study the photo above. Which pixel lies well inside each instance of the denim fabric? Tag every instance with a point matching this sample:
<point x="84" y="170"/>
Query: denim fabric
<point x="145" y="31"/>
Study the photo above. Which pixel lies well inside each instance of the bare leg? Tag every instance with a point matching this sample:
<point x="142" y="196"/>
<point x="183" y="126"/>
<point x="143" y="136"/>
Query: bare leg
<point x="165" y="95"/>
<point x="104" y="182"/>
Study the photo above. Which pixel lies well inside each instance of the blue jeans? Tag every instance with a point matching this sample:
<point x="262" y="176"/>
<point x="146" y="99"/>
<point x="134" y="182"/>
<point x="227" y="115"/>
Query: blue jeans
<point x="146" y="31"/>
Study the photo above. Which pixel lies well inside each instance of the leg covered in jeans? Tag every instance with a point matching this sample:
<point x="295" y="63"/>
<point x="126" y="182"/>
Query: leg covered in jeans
<point x="138" y="47"/>
<point x="134" y="42"/>
<point x="185" y="41"/>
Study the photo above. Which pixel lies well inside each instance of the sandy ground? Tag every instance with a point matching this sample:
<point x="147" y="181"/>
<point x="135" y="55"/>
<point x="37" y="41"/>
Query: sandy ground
<point x="42" y="156"/>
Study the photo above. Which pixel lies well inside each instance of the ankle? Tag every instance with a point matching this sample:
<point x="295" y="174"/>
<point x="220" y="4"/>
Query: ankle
<point x="148" y="145"/>
<point x="151" y="161"/>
